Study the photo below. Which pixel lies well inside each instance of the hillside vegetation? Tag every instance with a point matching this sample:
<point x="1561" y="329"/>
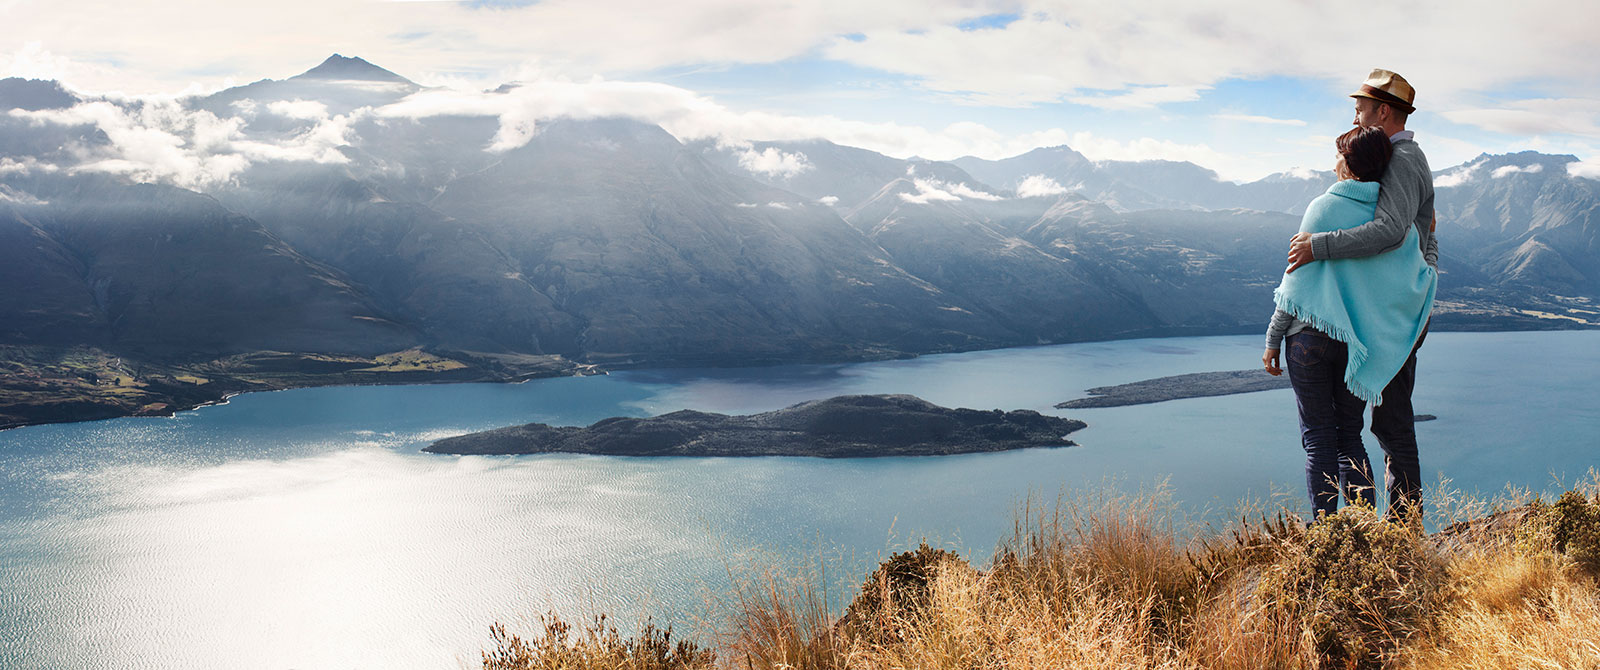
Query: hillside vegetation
<point x="1112" y="583"/>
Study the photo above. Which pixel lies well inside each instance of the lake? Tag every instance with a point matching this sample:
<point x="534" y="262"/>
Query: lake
<point x="303" y="529"/>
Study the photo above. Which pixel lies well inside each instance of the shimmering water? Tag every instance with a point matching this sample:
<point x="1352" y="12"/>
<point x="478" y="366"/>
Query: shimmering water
<point x="304" y="529"/>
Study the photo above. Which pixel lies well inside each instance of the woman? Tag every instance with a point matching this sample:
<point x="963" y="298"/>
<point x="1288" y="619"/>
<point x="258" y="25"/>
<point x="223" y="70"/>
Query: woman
<point x="1349" y="325"/>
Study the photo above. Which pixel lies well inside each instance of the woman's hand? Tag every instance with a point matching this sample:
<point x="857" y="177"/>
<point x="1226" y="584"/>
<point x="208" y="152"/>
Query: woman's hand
<point x="1270" y="360"/>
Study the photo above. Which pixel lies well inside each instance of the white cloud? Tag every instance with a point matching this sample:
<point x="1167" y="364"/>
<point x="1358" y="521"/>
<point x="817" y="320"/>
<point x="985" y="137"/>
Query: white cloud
<point x="1061" y="51"/>
<point x="774" y="162"/>
<point x="688" y="115"/>
<point x="965" y="191"/>
<point x="745" y="205"/>
<point x="1144" y="97"/>
<point x="934" y="190"/>
<point x="1585" y="169"/>
<point x="829" y="200"/>
<point x="440" y="42"/>
<point x="1252" y="118"/>
<point x="1459" y="177"/>
<point x="159" y="140"/>
<point x="23" y="165"/>
<point x="1039" y="186"/>
<point x="929" y="190"/>
<point x="309" y="110"/>
<point x="1507" y="170"/>
<point x="778" y="205"/>
<point x="1543" y="116"/>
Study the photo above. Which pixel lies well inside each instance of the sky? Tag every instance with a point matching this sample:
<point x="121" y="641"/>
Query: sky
<point x="1245" y="88"/>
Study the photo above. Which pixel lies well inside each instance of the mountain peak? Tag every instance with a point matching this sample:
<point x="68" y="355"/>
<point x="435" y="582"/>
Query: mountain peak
<point x="351" y="68"/>
<point x="34" y="94"/>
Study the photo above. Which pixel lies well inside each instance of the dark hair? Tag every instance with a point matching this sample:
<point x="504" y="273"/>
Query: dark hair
<point x="1366" y="152"/>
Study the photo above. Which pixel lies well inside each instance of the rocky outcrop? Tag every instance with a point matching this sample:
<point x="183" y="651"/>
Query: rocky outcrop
<point x="1177" y="387"/>
<point x="855" y="426"/>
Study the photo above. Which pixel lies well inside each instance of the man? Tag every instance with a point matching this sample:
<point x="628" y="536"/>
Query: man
<point x="1404" y="199"/>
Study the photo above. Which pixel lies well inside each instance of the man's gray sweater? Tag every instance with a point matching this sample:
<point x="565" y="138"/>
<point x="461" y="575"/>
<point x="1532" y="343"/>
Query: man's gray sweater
<point x="1405" y="195"/>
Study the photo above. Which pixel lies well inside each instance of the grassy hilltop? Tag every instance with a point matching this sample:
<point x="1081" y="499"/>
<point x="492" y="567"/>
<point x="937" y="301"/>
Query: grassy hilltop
<point x="1112" y="584"/>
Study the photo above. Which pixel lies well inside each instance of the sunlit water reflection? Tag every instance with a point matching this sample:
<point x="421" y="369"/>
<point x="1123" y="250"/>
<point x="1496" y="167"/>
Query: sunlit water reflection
<point x="304" y="529"/>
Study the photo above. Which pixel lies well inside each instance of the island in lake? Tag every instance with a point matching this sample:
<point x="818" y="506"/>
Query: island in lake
<point x="1178" y="387"/>
<point x="854" y="426"/>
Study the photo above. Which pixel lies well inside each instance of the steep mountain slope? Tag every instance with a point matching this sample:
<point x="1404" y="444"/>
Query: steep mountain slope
<point x="147" y="268"/>
<point x="1527" y="222"/>
<point x="661" y="255"/>
<point x="954" y="246"/>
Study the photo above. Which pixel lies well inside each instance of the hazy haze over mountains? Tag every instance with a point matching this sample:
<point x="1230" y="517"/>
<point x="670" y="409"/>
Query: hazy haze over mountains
<point x="349" y="209"/>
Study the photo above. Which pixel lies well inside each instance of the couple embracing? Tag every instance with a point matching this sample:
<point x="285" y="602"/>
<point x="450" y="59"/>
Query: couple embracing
<point x="1354" y="304"/>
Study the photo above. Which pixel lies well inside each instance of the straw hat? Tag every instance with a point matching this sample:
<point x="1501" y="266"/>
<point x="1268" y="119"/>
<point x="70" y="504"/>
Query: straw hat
<point x="1388" y="88"/>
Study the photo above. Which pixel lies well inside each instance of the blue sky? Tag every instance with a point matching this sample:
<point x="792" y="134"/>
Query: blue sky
<point x="1243" y="87"/>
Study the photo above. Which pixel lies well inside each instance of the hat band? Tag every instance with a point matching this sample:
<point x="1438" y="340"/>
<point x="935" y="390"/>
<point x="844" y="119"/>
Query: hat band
<point x="1385" y="96"/>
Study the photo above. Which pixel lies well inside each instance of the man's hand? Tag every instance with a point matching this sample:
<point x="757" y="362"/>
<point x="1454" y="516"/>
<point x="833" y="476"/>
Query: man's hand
<point x="1299" y="251"/>
<point x="1270" y="360"/>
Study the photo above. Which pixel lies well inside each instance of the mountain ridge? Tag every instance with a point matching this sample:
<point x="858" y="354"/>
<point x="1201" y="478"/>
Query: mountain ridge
<point x="608" y="241"/>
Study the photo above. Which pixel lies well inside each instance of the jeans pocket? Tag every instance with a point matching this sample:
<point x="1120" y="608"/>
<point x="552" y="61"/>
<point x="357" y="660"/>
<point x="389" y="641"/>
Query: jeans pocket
<point x="1307" y="350"/>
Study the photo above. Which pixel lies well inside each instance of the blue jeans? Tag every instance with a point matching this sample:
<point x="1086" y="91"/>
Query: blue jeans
<point x="1396" y="429"/>
<point x="1330" y="423"/>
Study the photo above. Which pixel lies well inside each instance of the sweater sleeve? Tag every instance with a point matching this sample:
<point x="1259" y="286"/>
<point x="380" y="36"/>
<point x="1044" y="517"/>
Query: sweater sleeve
<point x="1399" y="198"/>
<point x="1275" y="330"/>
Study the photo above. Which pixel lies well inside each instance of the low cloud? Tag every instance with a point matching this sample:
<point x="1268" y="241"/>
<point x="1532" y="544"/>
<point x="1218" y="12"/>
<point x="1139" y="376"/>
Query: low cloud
<point x="24" y="165"/>
<point x="773" y="162"/>
<point x="1508" y="170"/>
<point x="159" y="140"/>
<point x="934" y="190"/>
<point x="829" y="200"/>
<point x="968" y="192"/>
<point x="778" y="205"/>
<point x="1584" y="169"/>
<point x="1458" y="177"/>
<point x="1039" y="186"/>
<point x="929" y="190"/>
<point x="308" y="110"/>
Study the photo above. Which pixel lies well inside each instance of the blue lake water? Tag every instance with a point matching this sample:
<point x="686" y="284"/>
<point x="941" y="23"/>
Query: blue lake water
<point x="304" y="529"/>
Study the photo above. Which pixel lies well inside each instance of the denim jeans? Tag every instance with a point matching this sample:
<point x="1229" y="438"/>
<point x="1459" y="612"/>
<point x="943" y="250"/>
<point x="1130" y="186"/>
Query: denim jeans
<point x="1396" y="429"/>
<point x="1330" y="423"/>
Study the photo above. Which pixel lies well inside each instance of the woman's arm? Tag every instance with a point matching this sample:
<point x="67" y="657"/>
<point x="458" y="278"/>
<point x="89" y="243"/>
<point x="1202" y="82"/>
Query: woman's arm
<point x="1275" y="330"/>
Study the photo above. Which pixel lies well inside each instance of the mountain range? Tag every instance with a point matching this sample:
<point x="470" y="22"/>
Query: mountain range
<point x="316" y="215"/>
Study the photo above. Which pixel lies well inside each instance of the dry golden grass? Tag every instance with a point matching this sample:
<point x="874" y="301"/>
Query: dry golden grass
<point x="1110" y="583"/>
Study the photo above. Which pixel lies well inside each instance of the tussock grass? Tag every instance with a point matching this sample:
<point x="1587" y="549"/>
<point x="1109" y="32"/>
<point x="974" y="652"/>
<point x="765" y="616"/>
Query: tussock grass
<point x="1121" y="582"/>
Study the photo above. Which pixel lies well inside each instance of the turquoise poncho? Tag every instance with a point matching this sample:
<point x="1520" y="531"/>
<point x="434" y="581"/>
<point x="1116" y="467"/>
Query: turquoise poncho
<point x="1378" y="305"/>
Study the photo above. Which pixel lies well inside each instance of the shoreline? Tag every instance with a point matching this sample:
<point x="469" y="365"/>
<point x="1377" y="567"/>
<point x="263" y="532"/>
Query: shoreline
<point x="97" y="407"/>
<point x="57" y="386"/>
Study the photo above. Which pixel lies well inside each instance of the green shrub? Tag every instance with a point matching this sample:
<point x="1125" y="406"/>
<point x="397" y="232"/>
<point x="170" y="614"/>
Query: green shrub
<point x="1355" y="586"/>
<point x="1571" y="526"/>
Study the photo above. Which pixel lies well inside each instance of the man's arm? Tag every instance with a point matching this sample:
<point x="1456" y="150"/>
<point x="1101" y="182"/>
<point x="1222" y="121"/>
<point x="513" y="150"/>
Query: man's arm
<point x="1399" y="198"/>
<point x="1398" y="201"/>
